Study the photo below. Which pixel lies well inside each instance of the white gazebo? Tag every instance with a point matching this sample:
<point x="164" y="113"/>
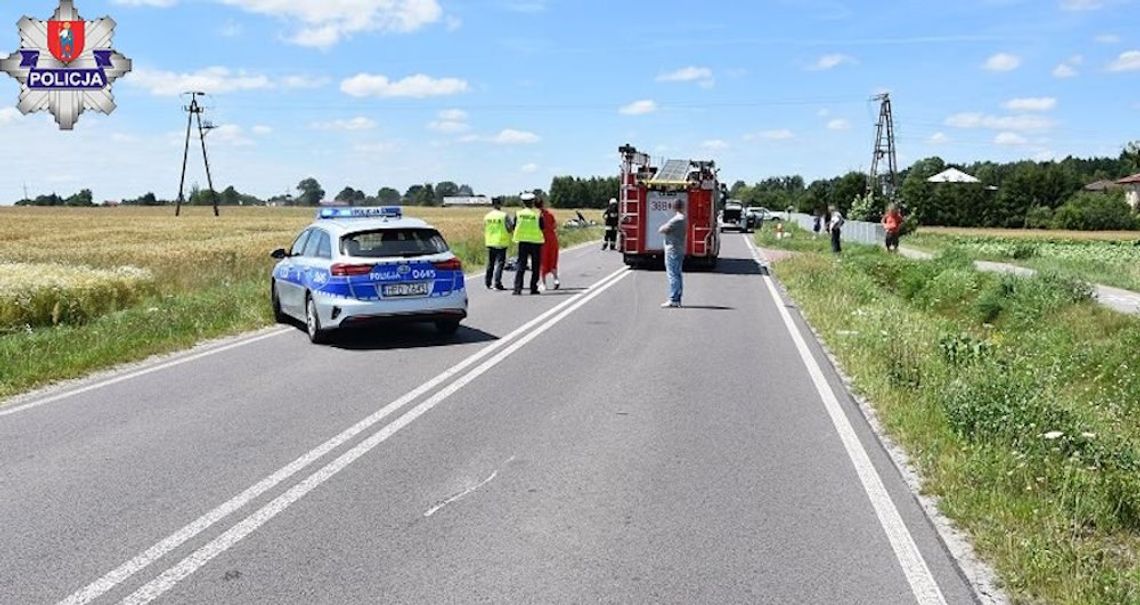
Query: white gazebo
<point x="952" y="175"/>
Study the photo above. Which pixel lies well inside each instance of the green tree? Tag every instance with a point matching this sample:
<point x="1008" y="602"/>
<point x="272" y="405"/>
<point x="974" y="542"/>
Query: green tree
<point x="445" y="189"/>
<point x="311" y="192"/>
<point x="83" y="198"/>
<point x="230" y="197"/>
<point x="388" y="196"/>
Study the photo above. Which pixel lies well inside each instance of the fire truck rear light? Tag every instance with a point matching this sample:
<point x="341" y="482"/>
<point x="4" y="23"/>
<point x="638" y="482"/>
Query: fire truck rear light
<point x="343" y="270"/>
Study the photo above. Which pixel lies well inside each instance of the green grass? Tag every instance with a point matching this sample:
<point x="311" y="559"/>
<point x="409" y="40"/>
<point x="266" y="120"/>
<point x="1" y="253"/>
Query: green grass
<point x="165" y="323"/>
<point x="1109" y="262"/>
<point x="1017" y="399"/>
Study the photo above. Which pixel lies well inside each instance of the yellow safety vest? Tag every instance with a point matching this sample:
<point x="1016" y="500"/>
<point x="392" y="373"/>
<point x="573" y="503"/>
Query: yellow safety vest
<point x="495" y="230"/>
<point x="527" y="230"/>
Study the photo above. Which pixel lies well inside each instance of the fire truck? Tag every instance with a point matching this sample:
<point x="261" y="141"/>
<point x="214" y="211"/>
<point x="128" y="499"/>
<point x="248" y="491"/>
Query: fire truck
<point x="647" y="196"/>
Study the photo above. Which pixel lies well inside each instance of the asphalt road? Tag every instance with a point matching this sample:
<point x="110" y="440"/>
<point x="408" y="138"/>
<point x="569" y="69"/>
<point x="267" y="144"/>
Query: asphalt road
<point x="580" y="446"/>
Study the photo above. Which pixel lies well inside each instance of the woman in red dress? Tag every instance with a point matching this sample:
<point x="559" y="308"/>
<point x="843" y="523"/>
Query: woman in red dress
<point x="549" y="263"/>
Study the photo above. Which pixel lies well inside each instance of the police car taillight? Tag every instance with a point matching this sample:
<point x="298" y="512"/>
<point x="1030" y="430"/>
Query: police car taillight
<point x="449" y="265"/>
<point x="343" y="270"/>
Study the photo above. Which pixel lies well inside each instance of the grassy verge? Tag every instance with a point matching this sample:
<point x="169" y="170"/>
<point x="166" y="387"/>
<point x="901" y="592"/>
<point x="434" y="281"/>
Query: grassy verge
<point x="226" y="293"/>
<point x="1016" y="398"/>
<point x="1106" y="260"/>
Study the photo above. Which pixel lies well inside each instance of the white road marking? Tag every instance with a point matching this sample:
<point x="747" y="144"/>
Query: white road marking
<point x="922" y="583"/>
<point x="247" y="526"/>
<point x="173" y="541"/>
<point x="143" y="372"/>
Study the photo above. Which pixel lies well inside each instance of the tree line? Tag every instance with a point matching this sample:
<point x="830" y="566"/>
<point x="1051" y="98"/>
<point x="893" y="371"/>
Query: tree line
<point x="1023" y="194"/>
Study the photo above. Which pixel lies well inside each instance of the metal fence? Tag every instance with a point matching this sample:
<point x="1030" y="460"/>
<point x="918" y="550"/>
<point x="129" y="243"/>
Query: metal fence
<point x="859" y="232"/>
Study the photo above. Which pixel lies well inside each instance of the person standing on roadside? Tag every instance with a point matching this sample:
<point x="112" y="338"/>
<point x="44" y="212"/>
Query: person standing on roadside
<point x="817" y="224"/>
<point x="528" y="235"/>
<point x="835" y="223"/>
<point x="892" y="224"/>
<point x="497" y="227"/>
<point x="611" y="217"/>
<point x="549" y="260"/>
<point x="675" y="230"/>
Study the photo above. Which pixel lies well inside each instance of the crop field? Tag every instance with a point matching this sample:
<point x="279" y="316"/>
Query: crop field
<point x="1109" y="258"/>
<point x="82" y="289"/>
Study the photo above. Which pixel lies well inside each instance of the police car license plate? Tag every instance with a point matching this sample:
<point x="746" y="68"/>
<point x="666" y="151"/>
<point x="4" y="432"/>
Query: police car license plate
<point x="406" y="290"/>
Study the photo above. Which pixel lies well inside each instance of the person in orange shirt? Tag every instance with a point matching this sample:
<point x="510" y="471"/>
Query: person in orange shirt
<point x="892" y="223"/>
<point x="549" y="259"/>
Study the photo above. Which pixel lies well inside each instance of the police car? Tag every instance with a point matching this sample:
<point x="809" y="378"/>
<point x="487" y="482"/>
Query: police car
<point x="356" y="266"/>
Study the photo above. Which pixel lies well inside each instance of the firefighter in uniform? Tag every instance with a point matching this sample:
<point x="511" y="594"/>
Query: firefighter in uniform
<point x="497" y="226"/>
<point x="529" y="237"/>
<point x="611" y="217"/>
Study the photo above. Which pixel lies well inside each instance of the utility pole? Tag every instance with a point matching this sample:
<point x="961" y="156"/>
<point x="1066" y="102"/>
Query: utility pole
<point x="886" y="183"/>
<point x="25" y="190"/>
<point x="194" y="113"/>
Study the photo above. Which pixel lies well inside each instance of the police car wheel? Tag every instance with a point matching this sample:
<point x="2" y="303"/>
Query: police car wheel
<point x="278" y="315"/>
<point x="447" y="328"/>
<point x="313" y="323"/>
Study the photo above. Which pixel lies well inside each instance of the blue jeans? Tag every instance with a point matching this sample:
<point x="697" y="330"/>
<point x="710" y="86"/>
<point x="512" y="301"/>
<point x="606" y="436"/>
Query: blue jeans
<point x="674" y="260"/>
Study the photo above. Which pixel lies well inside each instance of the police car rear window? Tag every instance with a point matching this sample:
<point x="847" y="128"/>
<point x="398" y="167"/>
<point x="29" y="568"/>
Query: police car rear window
<point x="384" y="243"/>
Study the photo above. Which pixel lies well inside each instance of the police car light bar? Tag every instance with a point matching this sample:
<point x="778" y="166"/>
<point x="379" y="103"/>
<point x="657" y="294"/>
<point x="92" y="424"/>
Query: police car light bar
<point x="383" y="212"/>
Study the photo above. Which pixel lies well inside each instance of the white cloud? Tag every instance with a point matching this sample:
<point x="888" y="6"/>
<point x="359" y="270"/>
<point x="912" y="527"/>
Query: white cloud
<point x="324" y="23"/>
<point x="515" y="137"/>
<point x="261" y="130"/>
<point x="212" y="80"/>
<point x="9" y="114"/>
<point x="1031" y="104"/>
<point x="1002" y="62"/>
<point x="938" y="138"/>
<point x="782" y="134"/>
<point x="530" y="168"/>
<point x="454" y="115"/>
<point x="1107" y="39"/>
<point x="715" y="145"/>
<point x="304" y="82"/>
<point x="230" y="29"/>
<point x="1009" y="139"/>
<point x="1064" y="71"/>
<point x="375" y="147"/>
<point x="839" y="124"/>
<point x="1127" y="61"/>
<point x="1019" y="123"/>
<point x="448" y="126"/>
<point x="1081" y="5"/>
<point x="451" y="121"/>
<point x="354" y="124"/>
<point x="453" y="23"/>
<point x="832" y="61"/>
<point x="229" y="134"/>
<point x="639" y="108"/>
<point x="156" y="3"/>
<point x="418" y="86"/>
<point x="702" y="75"/>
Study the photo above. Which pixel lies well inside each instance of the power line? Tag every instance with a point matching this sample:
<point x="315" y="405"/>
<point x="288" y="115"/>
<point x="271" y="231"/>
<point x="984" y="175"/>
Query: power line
<point x="884" y="150"/>
<point x="194" y="112"/>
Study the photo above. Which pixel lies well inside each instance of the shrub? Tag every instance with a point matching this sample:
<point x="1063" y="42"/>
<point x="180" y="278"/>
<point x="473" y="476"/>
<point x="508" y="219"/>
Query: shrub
<point x="1095" y="212"/>
<point x="1039" y="217"/>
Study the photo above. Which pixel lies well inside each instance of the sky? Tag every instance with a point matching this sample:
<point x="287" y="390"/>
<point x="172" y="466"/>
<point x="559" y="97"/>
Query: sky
<point x="505" y="94"/>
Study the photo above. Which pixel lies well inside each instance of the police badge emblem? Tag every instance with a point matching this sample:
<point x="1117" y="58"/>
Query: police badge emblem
<point x="66" y="65"/>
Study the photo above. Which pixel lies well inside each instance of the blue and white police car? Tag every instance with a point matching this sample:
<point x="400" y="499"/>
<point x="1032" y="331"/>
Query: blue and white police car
<point x="356" y="266"/>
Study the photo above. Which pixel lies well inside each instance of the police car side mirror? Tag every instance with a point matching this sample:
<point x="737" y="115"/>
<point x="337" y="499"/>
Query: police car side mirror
<point x="280" y="254"/>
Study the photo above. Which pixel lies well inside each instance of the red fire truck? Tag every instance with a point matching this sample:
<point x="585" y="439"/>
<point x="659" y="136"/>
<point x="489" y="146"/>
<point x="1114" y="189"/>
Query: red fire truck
<point x="647" y="195"/>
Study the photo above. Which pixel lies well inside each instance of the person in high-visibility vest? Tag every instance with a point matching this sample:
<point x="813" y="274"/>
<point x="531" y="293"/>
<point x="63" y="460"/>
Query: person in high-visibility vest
<point x="529" y="237"/>
<point x="497" y="226"/>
